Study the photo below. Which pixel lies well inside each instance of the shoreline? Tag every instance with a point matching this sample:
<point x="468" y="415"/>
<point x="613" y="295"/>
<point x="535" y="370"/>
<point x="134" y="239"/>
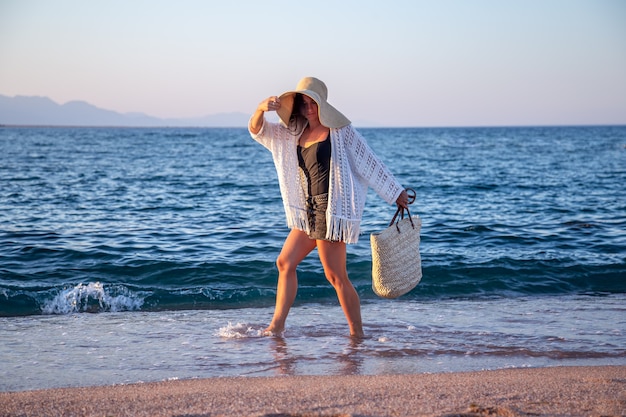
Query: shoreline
<point x="566" y="391"/>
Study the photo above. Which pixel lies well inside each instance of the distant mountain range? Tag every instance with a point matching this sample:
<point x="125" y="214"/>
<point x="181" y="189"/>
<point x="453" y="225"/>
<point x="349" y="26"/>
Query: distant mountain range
<point x="42" y="111"/>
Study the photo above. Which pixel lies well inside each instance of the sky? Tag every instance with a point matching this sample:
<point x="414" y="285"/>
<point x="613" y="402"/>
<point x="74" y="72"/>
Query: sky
<point x="387" y="63"/>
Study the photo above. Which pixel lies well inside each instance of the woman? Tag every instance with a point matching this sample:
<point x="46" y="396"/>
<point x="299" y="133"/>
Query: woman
<point x="324" y="169"/>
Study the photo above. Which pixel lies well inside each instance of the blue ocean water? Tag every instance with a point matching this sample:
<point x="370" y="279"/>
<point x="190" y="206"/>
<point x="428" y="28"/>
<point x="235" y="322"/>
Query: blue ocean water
<point x="146" y="254"/>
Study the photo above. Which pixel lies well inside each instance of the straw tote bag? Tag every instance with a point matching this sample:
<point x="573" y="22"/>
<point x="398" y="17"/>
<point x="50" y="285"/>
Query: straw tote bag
<point x="396" y="261"/>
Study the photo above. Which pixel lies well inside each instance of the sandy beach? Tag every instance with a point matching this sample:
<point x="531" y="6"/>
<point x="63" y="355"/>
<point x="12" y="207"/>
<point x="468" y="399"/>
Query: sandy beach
<point x="559" y="391"/>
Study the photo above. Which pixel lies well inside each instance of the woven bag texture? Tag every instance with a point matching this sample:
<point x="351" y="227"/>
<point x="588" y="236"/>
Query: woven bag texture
<point x="396" y="261"/>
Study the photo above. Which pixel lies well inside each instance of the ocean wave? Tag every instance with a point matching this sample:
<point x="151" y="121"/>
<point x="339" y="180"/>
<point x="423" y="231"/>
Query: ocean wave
<point x="241" y="287"/>
<point x="93" y="298"/>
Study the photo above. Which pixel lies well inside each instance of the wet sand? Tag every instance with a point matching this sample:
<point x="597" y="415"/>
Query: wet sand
<point x="559" y="391"/>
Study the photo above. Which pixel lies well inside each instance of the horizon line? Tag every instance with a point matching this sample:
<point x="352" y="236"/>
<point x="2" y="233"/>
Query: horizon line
<point x="512" y="126"/>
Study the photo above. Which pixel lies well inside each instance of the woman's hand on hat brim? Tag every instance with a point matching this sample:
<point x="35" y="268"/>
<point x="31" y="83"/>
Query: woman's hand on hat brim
<point x="270" y="104"/>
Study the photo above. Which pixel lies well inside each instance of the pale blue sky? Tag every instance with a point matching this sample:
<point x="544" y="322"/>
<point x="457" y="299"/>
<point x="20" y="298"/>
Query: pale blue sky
<point x="393" y="63"/>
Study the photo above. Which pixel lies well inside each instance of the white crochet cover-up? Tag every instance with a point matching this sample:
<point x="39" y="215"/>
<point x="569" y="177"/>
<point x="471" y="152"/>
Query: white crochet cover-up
<point x="353" y="167"/>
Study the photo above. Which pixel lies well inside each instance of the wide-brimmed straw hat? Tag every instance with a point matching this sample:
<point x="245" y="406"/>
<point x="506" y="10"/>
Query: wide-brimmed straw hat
<point x="317" y="91"/>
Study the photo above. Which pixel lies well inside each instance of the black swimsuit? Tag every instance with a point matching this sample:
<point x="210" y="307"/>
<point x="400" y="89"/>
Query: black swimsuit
<point x="314" y="161"/>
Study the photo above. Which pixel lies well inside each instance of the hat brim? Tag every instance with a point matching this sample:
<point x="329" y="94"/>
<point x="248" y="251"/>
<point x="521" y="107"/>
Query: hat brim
<point x="329" y="116"/>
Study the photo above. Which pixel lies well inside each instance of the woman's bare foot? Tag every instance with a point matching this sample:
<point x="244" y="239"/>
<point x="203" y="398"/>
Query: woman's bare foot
<point x="356" y="329"/>
<point x="357" y="335"/>
<point x="271" y="331"/>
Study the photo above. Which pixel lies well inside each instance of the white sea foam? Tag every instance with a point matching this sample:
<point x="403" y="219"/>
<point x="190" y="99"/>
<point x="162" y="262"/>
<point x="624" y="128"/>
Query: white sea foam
<point x="92" y="298"/>
<point x="238" y="331"/>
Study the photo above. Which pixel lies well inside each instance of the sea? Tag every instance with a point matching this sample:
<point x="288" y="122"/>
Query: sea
<point x="134" y="255"/>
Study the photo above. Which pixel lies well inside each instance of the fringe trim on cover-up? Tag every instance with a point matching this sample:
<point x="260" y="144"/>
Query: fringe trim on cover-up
<point x="342" y="229"/>
<point x="297" y="219"/>
<point x="337" y="228"/>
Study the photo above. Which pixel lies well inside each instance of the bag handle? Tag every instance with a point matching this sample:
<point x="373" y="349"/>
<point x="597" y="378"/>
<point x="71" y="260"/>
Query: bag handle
<point x="412" y="195"/>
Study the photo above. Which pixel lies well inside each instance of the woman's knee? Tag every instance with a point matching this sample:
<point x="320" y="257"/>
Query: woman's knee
<point x="284" y="264"/>
<point x="296" y="247"/>
<point x="337" y="280"/>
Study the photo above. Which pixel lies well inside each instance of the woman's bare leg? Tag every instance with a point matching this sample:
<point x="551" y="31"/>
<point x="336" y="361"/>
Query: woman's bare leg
<point x="333" y="257"/>
<point x="296" y="247"/>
